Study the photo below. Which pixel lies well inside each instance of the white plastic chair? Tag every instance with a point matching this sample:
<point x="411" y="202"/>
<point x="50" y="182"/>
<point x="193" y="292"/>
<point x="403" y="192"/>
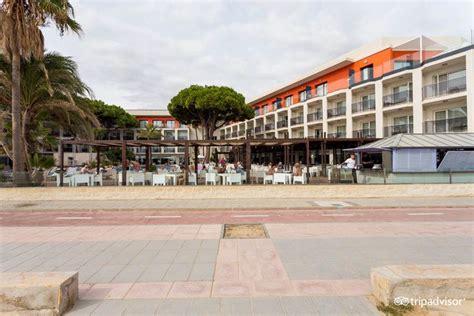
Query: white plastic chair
<point x="159" y="179"/>
<point x="299" y="179"/>
<point x="211" y="177"/>
<point x="97" y="178"/>
<point x="137" y="177"/>
<point x="268" y="178"/>
<point x="243" y="177"/>
<point x="260" y="174"/>
<point x="192" y="178"/>
<point x="148" y="177"/>
<point x="279" y="178"/>
<point x="234" y="178"/>
<point x="81" y="179"/>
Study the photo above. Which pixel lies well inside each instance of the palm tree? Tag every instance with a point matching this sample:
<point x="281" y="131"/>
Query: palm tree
<point x="150" y="132"/>
<point x="21" y="38"/>
<point x="52" y="95"/>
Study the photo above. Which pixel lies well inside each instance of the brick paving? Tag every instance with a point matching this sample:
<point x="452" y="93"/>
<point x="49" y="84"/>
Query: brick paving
<point x="175" y="263"/>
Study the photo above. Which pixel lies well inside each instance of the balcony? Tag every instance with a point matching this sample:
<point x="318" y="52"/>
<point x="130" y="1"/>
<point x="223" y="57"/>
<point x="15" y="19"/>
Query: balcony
<point x="269" y="127"/>
<point x="398" y="98"/>
<point x="452" y="125"/>
<point x="249" y="132"/>
<point x="258" y="129"/>
<point x="297" y="120"/>
<point x="228" y="135"/>
<point x="282" y="123"/>
<point x="363" y="106"/>
<point x="444" y="88"/>
<point x="336" y="135"/>
<point x="315" y="116"/>
<point x="338" y="111"/>
<point x="364" y="133"/>
<point x="316" y="134"/>
<point x="234" y="134"/>
<point x="397" y="129"/>
<point x="241" y="132"/>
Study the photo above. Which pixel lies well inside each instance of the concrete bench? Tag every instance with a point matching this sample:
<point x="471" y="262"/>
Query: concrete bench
<point x="443" y="288"/>
<point x="48" y="293"/>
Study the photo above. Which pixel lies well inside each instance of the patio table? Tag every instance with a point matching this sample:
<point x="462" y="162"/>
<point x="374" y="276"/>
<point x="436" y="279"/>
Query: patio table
<point x="224" y="177"/>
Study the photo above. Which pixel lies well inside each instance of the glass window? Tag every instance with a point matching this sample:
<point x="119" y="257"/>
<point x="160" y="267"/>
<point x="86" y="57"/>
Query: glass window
<point x="257" y="111"/>
<point x="302" y="96"/>
<point x="169" y="135"/>
<point x="170" y="124"/>
<point x="265" y="109"/>
<point x="158" y="123"/>
<point x="322" y="89"/>
<point x="340" y="104"/>
<point x="341" y="130"/>
<point x="277" y="105"/>
<point x="182" y="135"/>
<point x="399" y="64"/>
<point x="457" y="112"/>
<point x="143" y="124"/>
<point x="367" y="72"/>
<point x="289" y="100"/>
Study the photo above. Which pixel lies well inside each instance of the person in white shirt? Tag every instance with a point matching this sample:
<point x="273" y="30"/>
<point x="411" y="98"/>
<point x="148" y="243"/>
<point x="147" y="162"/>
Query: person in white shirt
<point x="351" y="164"/>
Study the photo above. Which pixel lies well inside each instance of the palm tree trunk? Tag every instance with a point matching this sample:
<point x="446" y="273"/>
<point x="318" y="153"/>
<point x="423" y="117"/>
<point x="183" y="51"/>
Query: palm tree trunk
<point x="17" y="147"/>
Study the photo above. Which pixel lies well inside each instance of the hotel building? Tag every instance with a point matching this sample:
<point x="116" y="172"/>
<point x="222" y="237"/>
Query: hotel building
<point x="391" y="86"/>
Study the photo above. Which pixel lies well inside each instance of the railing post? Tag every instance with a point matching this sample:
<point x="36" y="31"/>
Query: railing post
<point x="450" y="177"/>
<point x="61" y="164"/>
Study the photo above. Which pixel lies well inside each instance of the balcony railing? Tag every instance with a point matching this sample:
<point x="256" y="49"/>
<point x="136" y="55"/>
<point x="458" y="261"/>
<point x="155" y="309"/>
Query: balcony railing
<point x="234" y="134"/>
<point x="458" y="124"/>
<point x="258" y="129"/>
<point x="297" y="120"/>
<point x="228" y="135"/>
<point x="315" y="116"/>
<point x="363" y="106"/>
<point x="444" y="88"/>
<point x="269" y="126"/>
<point x="316" y="134"/>
<point x="250" y="132"/>
<point x="365" y="133"/>
<point x="398" y="98"/>
<point x="338" y="111"/>
<point x="282" y="123"/>
<point x="397" y="129"/>
<point x="241" y="132"/>
<point x="336" y="135"/>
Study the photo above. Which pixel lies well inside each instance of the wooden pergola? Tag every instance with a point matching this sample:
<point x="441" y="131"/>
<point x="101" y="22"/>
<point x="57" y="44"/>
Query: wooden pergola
<point x="246" y="144"/>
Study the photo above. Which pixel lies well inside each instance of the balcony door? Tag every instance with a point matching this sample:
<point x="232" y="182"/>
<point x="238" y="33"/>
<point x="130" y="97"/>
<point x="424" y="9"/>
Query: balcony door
<point x="440" y="84"/>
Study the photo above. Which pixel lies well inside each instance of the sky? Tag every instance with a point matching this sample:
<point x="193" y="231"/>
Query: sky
<point x="139" y="54"/>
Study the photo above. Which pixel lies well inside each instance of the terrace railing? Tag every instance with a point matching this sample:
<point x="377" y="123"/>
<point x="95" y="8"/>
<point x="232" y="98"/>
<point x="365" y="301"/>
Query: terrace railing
<point x="297" y="120"/>
<point x="315" y="116"/>
<point x="282" y="123"/>
<point x="444" y="88"/>
<point x="337" y="111"/>
<point x="398" y="98"/>
<point x="458" y="124"/>
<point x="365" y="133"/>
<point x="397" y="129"/>
<point x="363" y="106"/>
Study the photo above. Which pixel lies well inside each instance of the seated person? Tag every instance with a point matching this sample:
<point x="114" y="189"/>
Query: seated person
<point x="297" y="170"/>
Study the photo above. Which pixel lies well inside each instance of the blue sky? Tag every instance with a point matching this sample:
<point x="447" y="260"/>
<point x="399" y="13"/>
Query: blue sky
<point x="139" y="54"/>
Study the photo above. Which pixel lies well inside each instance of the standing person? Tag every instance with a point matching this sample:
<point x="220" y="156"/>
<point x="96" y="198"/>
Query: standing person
<point x="351" y="164"/>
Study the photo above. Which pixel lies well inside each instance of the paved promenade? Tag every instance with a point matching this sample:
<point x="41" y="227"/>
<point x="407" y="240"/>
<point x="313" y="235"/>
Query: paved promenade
<point x="315" y="261"/>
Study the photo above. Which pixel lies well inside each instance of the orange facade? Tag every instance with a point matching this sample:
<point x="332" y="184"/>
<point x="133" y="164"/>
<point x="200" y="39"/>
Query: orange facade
<point x="382" y="62"/>
<point x="163" y="118"/>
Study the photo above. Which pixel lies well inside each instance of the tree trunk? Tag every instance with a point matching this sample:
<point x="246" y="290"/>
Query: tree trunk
<point x="17" y="146"/>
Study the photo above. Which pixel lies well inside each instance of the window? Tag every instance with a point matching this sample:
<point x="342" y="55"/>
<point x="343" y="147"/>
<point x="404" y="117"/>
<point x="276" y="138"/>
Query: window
<point x="169" y="135"/>
<point x="341" y="105"/>
<point x="423" y="159"/>
<point x="289" y="100"/>
<point x="322" y="89"/>
<point x="367" y="72"/>
<point x="451" y="120"/>
<point x="257" y="111"/>
<point x="302" y="96"/>
<point x="400" y="64"/>
<point x="265" y="109"/>
<point x="277" y="104"/>
<point x="170" y="124"/>
<point x="143" y="124"/>
<point x="341" y="130"/>
<point x="158" y="123"/>
<point x="182" y="135"/>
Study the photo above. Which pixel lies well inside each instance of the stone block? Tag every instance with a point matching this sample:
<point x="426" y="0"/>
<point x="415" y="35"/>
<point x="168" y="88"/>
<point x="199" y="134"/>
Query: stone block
<point x="440" y="288"/>
<point x="43" y="293"/>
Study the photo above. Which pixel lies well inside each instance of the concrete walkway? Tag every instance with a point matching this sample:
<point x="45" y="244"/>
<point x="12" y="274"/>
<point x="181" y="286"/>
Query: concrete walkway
<point x="232" y="203"/>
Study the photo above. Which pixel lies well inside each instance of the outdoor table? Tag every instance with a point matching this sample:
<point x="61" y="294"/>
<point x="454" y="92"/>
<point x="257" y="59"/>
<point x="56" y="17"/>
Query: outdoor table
<point x="173" y="176"/>
<point x="224" y="177"/>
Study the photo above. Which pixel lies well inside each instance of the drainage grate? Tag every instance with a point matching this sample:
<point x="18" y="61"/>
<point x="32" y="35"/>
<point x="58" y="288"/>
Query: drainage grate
<point x="244" y="231"/>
